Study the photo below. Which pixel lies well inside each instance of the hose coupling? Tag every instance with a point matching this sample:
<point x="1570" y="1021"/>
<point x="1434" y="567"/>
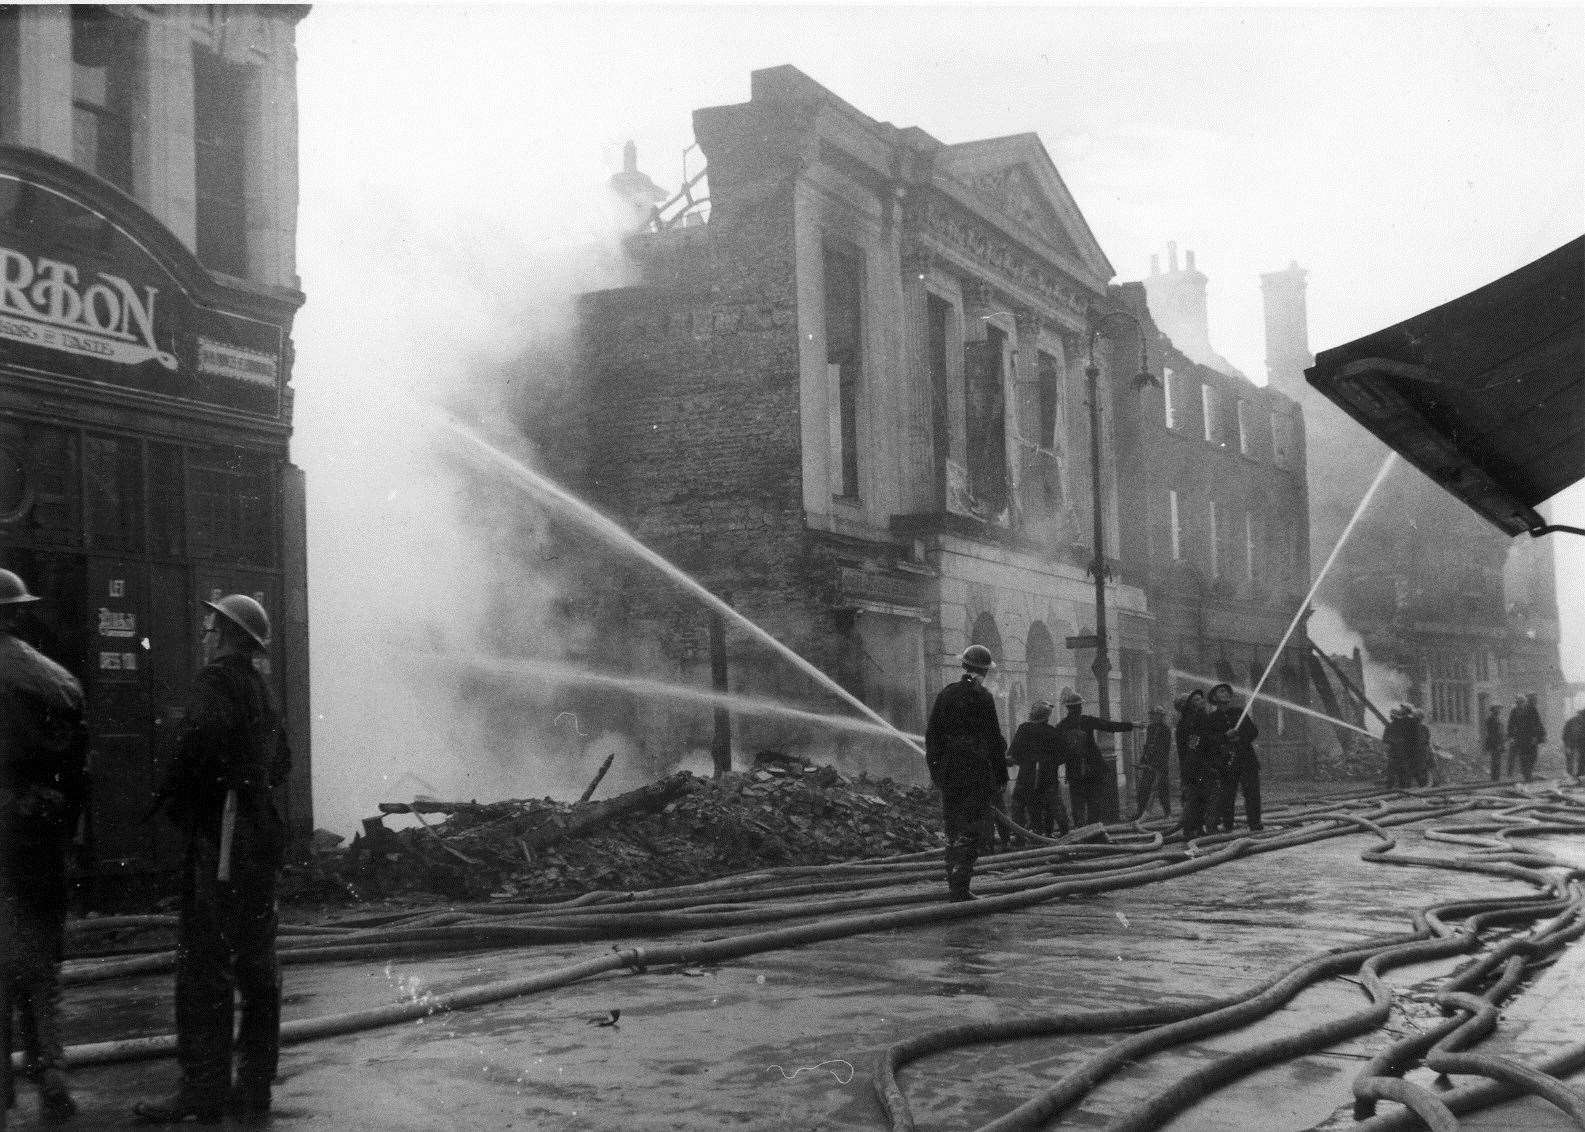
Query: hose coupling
<point x="632" y="957"/>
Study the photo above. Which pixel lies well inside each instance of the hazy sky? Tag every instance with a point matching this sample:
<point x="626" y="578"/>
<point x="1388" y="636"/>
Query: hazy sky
<point x="453" y="158"/>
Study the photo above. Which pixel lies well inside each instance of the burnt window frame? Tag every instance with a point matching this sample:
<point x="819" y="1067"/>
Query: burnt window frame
<point x="847" y="356"/>
<point x="114" y="113"/>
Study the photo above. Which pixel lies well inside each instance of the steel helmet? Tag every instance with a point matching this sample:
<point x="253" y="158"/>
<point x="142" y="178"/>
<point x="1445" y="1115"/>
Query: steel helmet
<point x="1070" y="697"/>
<point x="977" y="658"/>
<point x="13" y="590"/>
<point x="245" y="613"/>
<point x="1040" y="709"/>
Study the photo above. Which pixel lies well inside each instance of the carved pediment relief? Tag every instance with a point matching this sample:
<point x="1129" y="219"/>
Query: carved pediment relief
<point x="1013" y="191"/>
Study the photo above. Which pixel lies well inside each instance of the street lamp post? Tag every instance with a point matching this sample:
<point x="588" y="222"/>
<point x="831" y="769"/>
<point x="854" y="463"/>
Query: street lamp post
<point x="1102" y="668"/>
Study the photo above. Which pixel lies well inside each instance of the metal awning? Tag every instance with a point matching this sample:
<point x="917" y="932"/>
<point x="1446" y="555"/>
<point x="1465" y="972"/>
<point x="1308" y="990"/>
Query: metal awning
<point x="1485" y="394"/>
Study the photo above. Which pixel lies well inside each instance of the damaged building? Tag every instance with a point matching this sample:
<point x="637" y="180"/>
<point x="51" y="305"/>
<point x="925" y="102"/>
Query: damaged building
<point x="1453" y="613"/>
<point x="853" y="401"/>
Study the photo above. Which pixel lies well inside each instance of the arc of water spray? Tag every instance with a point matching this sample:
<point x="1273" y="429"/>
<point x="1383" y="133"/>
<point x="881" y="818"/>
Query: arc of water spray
<point x="1381" y="474"/>
<point x="613" y="532"/>
<point x="560" y="673"/>
<point x="1289" y="704"/>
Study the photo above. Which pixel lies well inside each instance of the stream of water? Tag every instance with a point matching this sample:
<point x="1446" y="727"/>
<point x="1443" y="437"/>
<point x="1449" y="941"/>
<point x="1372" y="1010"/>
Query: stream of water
<point x="1251" y="696"/>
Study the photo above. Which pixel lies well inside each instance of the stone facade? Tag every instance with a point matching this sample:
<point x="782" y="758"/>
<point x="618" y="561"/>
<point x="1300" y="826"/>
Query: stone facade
<point x="852" y="402"/>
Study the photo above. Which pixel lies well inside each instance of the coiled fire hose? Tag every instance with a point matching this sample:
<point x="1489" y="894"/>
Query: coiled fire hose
<point x="1010" y="883"/>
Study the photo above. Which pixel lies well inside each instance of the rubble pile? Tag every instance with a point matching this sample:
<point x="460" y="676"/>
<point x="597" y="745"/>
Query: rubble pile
<point x="679" y="830"/>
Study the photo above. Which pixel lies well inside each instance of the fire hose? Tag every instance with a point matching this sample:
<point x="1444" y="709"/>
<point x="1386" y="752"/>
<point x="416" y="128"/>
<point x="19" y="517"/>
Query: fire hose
<point x="732" y="902"/>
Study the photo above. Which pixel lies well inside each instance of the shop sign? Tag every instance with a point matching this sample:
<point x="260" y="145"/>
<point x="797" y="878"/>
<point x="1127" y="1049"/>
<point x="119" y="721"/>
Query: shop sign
<point x="83" y="298"/>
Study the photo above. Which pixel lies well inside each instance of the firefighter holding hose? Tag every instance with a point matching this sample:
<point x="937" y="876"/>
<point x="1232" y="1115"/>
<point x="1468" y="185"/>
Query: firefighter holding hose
<point x="43" y="789"/>
<point x="230" y="753"/>
<point x="966" y="754"/>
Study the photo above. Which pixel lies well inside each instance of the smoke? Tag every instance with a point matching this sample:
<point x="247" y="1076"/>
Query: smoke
<point x="1385" y="685"/>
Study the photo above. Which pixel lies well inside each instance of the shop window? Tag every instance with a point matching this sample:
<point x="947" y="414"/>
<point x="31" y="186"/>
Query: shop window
<point x="113" y="502"/>
<point x="220" y="145"/>
<point x="106" y="76"/>
<point x="51" y="461"/>
<point x="844" y="295"/>
<point x="167" y="499"/>
<point x="231" y="506"/>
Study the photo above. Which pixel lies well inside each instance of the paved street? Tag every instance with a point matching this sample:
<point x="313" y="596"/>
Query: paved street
<point x="788" y="1040"/>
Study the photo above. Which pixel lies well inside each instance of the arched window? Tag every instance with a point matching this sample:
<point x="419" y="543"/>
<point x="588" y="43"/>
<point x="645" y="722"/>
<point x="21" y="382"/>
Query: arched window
<point x="986" y="633"/>
<point x="1041" y="653"/>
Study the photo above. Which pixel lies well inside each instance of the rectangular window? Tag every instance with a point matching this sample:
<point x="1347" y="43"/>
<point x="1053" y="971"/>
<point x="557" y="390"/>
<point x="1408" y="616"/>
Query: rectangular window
<point x="105" y="54"/>
<point x="1208" y="411"/>
<point x="220" y="146"/>
<point x="1450" y="686"/>
<point x="844" y="289"/>
<point x="1249" y="545"/>
<point x="1050" y="380"/>
<point x="113" y="503"/>
<point x="1215" y="540"/>
<point x="1245" y="446"/>
<point x="1282" y="440"/>
<point x="232" y="512"/>
<point x="1176" y="526"/>
<point x="985" y="409"/>
<point x="1168" y="393"/>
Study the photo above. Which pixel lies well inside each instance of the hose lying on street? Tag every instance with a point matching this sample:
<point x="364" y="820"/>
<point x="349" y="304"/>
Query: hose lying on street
<point x="904" y="892"/>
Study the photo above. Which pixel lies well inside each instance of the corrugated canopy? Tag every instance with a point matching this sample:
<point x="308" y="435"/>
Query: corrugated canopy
<point x="1485" y="394"/>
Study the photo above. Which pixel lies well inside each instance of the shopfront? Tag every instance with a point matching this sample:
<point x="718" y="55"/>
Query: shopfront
<point x="144" y="420"/>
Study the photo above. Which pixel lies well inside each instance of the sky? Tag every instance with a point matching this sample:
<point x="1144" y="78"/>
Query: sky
<point x="451" y="200"/>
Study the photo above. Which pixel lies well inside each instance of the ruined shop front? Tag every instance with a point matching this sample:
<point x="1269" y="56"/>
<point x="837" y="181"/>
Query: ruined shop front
<point x="144" y="419"/>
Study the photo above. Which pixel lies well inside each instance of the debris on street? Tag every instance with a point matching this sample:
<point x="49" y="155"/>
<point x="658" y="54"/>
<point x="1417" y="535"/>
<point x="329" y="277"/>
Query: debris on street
<point x="679" y="830"/>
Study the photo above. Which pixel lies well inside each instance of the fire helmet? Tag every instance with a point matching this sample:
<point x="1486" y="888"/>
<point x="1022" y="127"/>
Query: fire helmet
<point x="1228" y="688"/>
<point x="246" y="614"/>
<point x="1070" y="697"/>
<point x="1040" y="709"/>
<point x="13" y="590"/>
<point x="977" y="658"/>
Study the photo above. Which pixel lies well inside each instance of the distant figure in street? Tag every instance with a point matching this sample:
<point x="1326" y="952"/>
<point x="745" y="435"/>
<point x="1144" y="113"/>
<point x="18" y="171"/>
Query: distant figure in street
<point x="1495" y="738"/>
<point x="1201" y="780"/>
<point x="230" y="753"/>
<point x="1036" y="751"/>
<point x="1525" y="736"/>
<point x="966" y="754"/>
<point x="1422" y="759"/>
<point x="43" y="789"/>
<point x="1081" y="753"/>
<point x="1398" y="738"/>
<point x="1153" y="764"/>
<point x="1574" y="745"/>
<point x="1235" y="739"/>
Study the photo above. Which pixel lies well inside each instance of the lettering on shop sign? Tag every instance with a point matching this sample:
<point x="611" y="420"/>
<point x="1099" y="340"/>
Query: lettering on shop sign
<point x="118" y="662"/>
<point x="117" y="623"/>
<point x="225" y="360"/>
<point x="46" y="302"/>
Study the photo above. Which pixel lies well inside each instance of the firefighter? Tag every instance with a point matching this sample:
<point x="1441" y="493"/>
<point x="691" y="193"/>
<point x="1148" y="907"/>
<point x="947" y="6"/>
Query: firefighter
<point x="1201" y="783"/>
<point x="229" y="755"/>
<point x="1422" y="759"/>
<point x="1574" y="744"/>
<point x="966" y="755"/>
<point x="1525" y="736"/>
<point x="1152" y="765"/>
<point x="1037" y="795"/>
<point x="1086" y="767"/>
<point x="1233" y="740"/>
<point x="1396" y="737"/>
<point x="43" y="790"/>
<point x="1496" y="740"/>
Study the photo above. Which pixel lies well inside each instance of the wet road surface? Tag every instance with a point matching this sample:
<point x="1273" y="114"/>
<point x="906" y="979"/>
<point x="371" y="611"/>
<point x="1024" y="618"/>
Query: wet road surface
<point x="789" y="1039"/>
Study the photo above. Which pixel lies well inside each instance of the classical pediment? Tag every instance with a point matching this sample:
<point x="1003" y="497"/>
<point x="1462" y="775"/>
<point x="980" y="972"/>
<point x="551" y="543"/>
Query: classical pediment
<point x="1014" y="178"/>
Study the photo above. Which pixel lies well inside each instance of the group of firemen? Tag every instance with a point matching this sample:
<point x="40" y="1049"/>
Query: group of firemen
<point x="969" y="759"/>
<point x="230" y="753"/>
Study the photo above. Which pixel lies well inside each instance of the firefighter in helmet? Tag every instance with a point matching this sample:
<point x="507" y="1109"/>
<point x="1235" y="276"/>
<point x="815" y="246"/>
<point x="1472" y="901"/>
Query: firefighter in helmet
<point x="43" y="790"/>
<point x="966" y="755"/>
<point x="230" y="754"/>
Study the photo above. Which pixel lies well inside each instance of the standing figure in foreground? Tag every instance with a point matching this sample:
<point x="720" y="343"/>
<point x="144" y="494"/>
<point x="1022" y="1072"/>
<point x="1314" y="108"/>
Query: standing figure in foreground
<point x="1422" y="757"/>
<point x="1037" y="795"/>
<point x="43" y="789"/>
<point x="966" y="754"/>
<point x="1495" y="739"/>
<point x="1201" y="782"/>
<point x="1153" y="763"/>
<point x="1574" y="744"/>
<point x="1525" y="736"/>
<point x="1398" y="738"/>
<point x="1086" y="768"/>
<point x="230" y="754"/>
<point x="1239" y="765"/>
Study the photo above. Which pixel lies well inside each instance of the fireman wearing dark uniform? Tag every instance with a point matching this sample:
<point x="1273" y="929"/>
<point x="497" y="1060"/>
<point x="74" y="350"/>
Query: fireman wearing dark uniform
<point x="1153" y="764"/>
<point x="1086" y="769"/>
<point x="1200" y="775"/>
<point x="1233" y="740"/>
<point x="966" y="754"/>
<point x="43" y="788"/>
<point x="230" y="753"/>
<point x="1037" y="795"/>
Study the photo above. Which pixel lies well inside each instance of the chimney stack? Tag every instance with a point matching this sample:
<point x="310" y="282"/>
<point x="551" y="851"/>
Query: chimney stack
<point x="1177" y="303"/>
<point x="1287" y="330"/>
